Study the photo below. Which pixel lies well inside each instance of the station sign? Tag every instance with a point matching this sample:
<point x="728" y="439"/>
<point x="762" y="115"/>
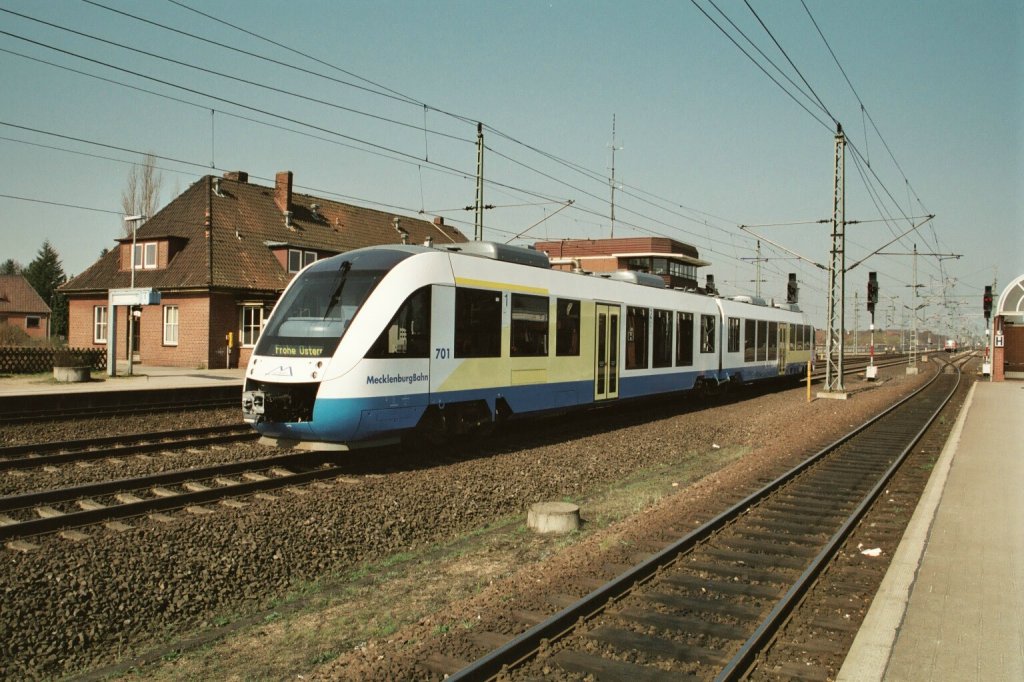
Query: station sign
<point x="134" y="296"/>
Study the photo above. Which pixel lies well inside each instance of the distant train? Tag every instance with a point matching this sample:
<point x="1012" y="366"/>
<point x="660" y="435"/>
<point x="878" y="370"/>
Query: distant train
<point x="372" y="344"/>
<point x="951" y="346"/>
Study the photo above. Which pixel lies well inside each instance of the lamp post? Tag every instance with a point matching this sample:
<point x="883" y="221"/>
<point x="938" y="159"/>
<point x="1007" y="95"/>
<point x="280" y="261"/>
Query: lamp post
<point x="134" y="220"/>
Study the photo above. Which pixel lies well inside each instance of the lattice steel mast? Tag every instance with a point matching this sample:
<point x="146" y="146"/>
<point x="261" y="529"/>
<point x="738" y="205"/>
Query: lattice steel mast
<point x="837" y="273"/>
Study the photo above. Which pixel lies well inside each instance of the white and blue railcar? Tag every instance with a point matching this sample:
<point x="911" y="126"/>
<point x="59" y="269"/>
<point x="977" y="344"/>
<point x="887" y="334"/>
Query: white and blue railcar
<point x="369" y="345"/>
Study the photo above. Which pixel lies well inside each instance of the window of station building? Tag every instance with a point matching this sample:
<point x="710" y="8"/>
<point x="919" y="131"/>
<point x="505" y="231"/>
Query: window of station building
<point x="170" y="325"/>
<point x="251" y="324"/>
<point x="707" y="333"/>
<point x="298" y="259"/>
<point x="145" y="256"/>
<point x="762" y="339"/>
<point x="32" y="321"/>
<point x="529" y="326"/>
<point x="684" y="339"/>
<point x="734" y="335"/>
<point x="661" y="355"/>
<point x="99" y="324"/>
<point x="477" y="323"/>
<point x="408" y="333"/>
<point x="773" y="340"/>
<point x="636" y="337"/>
<point x="567" y="327"/>
<point x="749" y="340"/>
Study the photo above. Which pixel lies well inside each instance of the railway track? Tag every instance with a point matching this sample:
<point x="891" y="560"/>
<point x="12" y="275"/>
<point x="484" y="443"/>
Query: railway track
<point x="63" y="452"/>
<point x="67" y="509"/>
<point x="707" y="605"/>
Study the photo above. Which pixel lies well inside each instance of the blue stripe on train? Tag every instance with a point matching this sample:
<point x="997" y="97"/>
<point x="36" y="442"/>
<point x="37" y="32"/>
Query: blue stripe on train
<point x="355" y="419"/>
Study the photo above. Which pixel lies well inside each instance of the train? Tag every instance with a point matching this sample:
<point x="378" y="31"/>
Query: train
<point x="951" y="346"/>
<point x="376" y="344"/>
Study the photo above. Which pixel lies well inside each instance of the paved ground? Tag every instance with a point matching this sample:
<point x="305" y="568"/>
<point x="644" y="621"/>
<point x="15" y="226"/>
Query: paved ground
<point x="952" y="604"/>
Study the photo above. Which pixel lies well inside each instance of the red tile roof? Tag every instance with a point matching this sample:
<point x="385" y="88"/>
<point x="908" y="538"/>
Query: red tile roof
<point x="227" y="232"/>
<point x="18" y="296"/>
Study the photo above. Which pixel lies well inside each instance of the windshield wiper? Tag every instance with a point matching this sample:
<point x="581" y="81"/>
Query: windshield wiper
<point x="336" y="296"/>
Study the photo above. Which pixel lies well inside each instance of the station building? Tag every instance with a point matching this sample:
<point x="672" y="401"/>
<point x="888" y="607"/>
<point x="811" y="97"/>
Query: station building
<point x="1008" y="333"/>
<point x="220" y="254"/>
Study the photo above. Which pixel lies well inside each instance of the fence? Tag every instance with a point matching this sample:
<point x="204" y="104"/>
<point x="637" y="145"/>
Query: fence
<point x="14" y="360"/>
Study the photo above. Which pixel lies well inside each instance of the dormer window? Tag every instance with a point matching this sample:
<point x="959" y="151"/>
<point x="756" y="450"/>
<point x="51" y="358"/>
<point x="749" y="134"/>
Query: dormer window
<point x="145" y="256"/>
<point x="298" y="259"/>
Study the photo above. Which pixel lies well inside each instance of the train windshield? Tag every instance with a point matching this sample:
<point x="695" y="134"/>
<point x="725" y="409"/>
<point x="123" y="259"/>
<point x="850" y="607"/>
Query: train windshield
<point x="314" y="314"/>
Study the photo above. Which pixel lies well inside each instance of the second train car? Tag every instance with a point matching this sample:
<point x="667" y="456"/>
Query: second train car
<point x="378" y="342"/>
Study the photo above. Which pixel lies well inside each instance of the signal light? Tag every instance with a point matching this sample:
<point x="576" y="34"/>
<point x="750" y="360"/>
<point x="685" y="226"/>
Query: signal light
<point x="986" y="302"/>
<point x="872" y="291"/>
<point x="792" y="290"/>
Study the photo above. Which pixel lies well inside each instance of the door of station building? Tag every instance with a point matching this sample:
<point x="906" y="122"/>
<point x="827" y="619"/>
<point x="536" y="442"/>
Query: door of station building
<point x="606" y="351"/>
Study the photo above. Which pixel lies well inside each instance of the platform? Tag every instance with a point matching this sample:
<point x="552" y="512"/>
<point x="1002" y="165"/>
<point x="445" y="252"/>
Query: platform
<point x="143" y="377"/>
<point x="951" y="606"/>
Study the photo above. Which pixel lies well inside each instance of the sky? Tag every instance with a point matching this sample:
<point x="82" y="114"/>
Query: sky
<point x="376" y="104"/>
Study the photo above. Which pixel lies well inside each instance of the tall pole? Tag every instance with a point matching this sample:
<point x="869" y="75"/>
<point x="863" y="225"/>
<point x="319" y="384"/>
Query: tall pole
<point x="757" y="272"/>
<point x="836" y="274"/>
<point x="478" y="225"/>
<point x="614" y="148"/>
<point x="134" y="220"/>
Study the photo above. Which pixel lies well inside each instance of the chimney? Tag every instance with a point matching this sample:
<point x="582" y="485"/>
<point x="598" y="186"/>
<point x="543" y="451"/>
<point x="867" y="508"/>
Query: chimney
<point x="439" y="221"/>
<point x="283" y="191"/>
<point x="239" y="176"/>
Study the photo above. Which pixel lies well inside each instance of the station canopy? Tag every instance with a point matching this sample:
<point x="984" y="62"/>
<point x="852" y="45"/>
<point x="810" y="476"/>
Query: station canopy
<point x="1011" y="301"/>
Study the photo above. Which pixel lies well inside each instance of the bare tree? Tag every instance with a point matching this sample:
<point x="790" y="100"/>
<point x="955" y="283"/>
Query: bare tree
<point x="141" y="195"/>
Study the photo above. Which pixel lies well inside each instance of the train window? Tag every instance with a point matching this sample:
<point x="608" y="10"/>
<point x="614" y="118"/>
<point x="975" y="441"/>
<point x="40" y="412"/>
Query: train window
<point x="315" y="312"/>
<point x="567" y="330"/>
<point x="662" y="354"/>
<point x="636" y="337"/>
<point x="762" y="340"/>
<point x="793" y="341"/>
<point x="477" y="323"/>
<point x="773" y="340"/>
<point x="684" y="339"/>
<point x="749" y="340"/>
<point x="529" y="326"/>
<point x="734" y="335"/>
<point x="707" y="333"/>
<point x="408" y="333"/>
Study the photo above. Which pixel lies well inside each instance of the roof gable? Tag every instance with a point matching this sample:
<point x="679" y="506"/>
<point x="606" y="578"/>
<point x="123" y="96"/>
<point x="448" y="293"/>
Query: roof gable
<point x="18" y="296"/>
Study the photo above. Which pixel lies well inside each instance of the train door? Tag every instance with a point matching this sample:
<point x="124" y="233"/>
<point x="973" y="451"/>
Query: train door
<point x="606" y="352"/>
<point x="784" y="336"/>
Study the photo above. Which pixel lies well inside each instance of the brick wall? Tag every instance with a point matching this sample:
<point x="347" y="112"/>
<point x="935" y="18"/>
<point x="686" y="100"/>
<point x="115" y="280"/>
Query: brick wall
<point x="193" y="323"/>
<point x="20" y="320"/>
<point x="80" y="318"/>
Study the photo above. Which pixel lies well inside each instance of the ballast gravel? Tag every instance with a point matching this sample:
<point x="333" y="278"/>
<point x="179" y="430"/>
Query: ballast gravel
<point x="69" y="607"/>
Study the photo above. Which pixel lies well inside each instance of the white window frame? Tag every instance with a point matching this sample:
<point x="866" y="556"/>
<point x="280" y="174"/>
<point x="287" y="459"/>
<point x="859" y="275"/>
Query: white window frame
<point x="145" y="255"/>
<point x="255" y="326"/>
<point x="171" y="327"/>
<point x="99" y="324"/>
<point x="297" y="254"/>
<point x="308" y="257"/>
